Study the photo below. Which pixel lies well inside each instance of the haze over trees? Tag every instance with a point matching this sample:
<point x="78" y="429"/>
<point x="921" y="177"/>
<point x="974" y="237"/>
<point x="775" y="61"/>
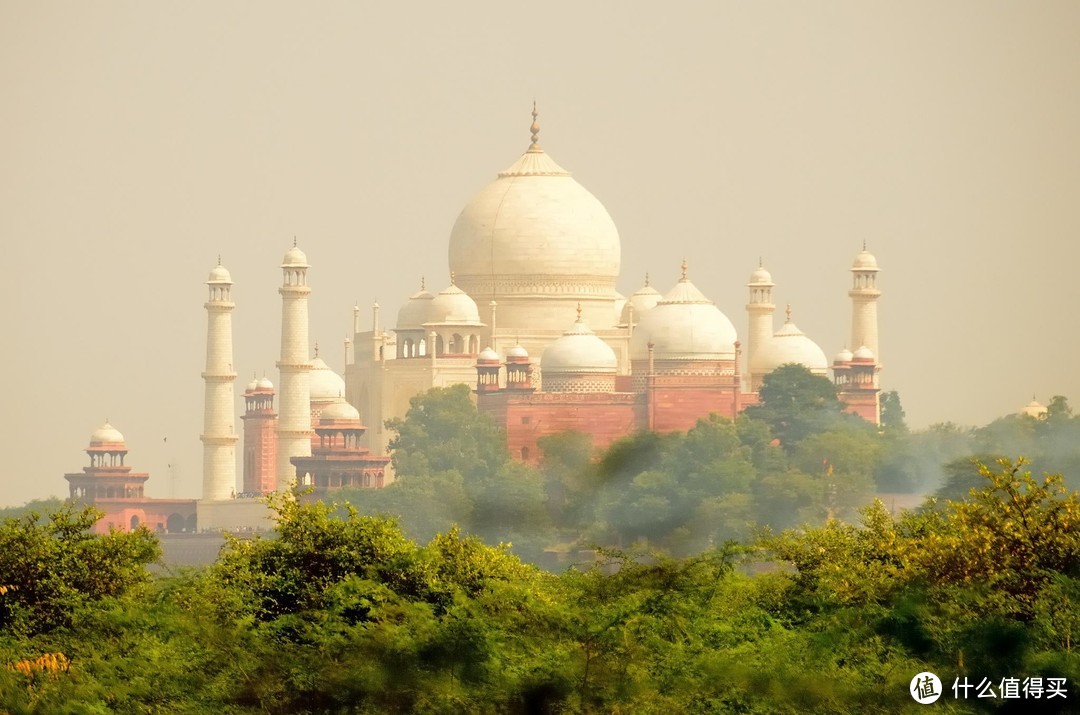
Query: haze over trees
<point x="690" y="572"/>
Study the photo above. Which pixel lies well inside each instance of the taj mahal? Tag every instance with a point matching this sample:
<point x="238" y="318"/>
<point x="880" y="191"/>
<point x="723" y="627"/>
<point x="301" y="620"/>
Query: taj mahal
<point x="531" y="318"/>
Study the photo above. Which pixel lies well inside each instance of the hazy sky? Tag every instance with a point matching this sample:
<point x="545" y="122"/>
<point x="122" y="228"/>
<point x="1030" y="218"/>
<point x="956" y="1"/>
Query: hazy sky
<point x="140" y="140"/>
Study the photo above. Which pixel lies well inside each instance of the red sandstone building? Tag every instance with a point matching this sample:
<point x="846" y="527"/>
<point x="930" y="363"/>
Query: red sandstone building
<point x="111" y="486"/>
<point x="260" y="438"/>
<point x="337" y="460"/>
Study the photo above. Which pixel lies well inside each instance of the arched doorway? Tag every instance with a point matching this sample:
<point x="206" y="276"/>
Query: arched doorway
<point x="174" y="524"/>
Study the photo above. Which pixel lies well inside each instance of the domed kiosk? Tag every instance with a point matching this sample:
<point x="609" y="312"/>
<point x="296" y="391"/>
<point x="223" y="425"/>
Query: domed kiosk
<point x="579" y="361"/>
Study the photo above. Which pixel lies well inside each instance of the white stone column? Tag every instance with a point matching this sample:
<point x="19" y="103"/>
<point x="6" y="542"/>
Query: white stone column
<point x="759" y="309"/>
<point x="294" y="395"/>
<point x="219" y="434"/>
<point x="864" y="295"/>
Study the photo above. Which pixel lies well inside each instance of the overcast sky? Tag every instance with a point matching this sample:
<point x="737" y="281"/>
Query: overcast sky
<point x="140" y="140"/>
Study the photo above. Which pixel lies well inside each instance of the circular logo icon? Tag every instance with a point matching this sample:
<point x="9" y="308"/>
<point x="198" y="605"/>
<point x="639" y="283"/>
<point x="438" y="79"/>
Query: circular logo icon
<point x="925" y="688"/>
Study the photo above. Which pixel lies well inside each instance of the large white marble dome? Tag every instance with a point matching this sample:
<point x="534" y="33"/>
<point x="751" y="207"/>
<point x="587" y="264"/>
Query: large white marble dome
<point x="536" y="233"/>
<point x="684" y="325"/>
<point x="534" y="222"/>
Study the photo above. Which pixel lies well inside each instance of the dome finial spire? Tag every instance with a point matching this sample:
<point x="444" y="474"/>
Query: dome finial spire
<point x="535" y="129"/>
<point x="646" y="279"/>
<point x="684" y="266"/>
<point x="787" y="312"/>
<point x="423" y="283"/>
<point x="864" y="244"/>
<point x="453" y="278"/>
<point x="579" y="312"/>
<point x="219" y="259"/>
<point x="316" y="348"/>
<point x="294" y="241"/>
<point x="760" y="262"/>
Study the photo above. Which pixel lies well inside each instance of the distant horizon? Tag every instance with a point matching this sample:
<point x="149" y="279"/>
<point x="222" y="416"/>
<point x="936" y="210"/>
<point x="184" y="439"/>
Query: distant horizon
<point x="141" y="142"/>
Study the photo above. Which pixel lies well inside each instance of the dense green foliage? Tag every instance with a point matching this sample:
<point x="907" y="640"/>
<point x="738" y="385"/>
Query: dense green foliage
<point x="347" y="615"/>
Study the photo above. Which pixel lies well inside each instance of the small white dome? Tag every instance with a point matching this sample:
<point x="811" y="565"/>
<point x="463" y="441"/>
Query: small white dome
<point x="294" y="258"/>
<point x="844" y="355"/>
<point x="865" y="261"/>
<point x="265" y="384"/>
<point x="339" y="411"/>
<point x="252" y="386"/>
<point x="218" y="274"/>
<point x="863" y="353"/>
<point x="642" y="300"/>
<point x="106" y="434"/>
<point x="454" y="307"/>
<point x="517" y="352"/>
<point x="760" y="276"/>
<point x="416" y="311"/>
<point x="1034" y="409"/>
<point x="488" y="355"/>
<point x="578" y="350"/>
<point x="324" y="383"/>
<point x="790" y="345"/>
<point x="684" y="325"/>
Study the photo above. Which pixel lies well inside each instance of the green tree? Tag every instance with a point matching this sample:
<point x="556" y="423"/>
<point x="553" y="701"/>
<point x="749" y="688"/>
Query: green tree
<point x="51" y="567"/>
<point x="443" y="431"/>
<point x="915" y="462"/>
<point x="1058" y="410"/>
<point x="892" y="414"/>
<point x="570" y="478"/>
<point x="796" y="403"/>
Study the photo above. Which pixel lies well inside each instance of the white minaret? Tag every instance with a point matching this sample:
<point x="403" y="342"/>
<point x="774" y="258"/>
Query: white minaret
<point x="864" y="295"/>
<point x="760" y="311"/>
<point x="219" y="436"/>
<point x="294" y="396"/>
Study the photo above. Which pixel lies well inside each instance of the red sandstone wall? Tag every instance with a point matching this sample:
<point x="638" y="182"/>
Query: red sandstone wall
<point x="152" y="513"/>
<point x="678" y="409"/>
<point x="864" y="405"/>
<point x="605" y="421"/>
